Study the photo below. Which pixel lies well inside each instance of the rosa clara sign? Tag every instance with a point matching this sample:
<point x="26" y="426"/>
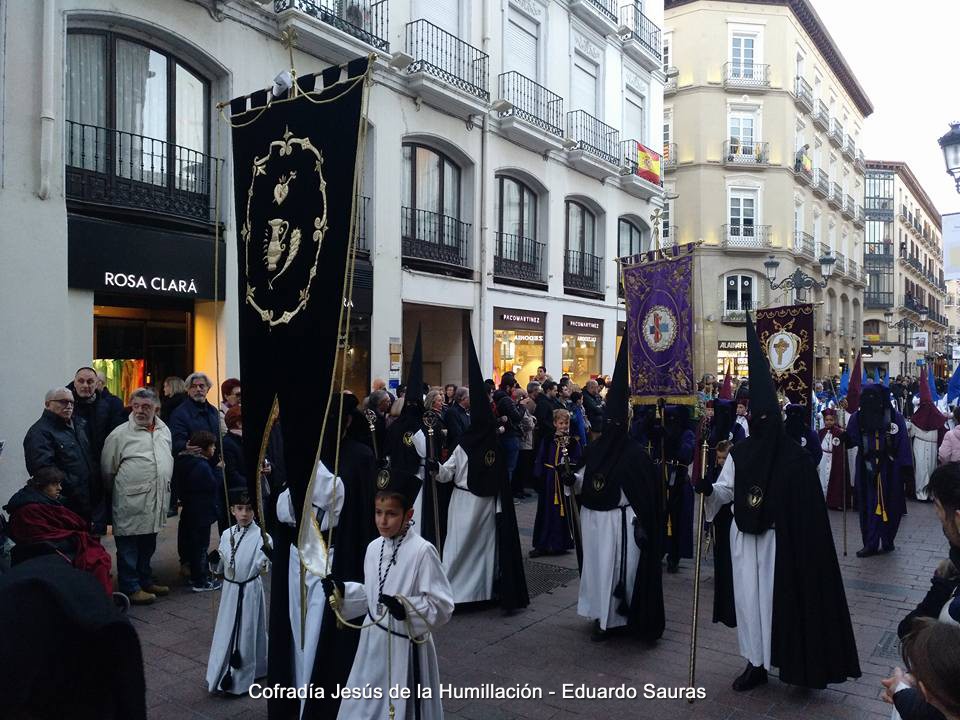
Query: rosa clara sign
<point x="132" y="281"/>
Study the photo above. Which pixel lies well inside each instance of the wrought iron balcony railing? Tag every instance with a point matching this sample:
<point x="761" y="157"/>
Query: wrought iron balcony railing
<point x="836" y="132"/>
<point x="854" y="270"/>
<point x="642" y="29"/>
<point x="669" y="155"/>
<point x="518" y="258"/>
<point x="746" y="75"/>
<point x="434" y="237"/>
<point x="607" y="8"/>
<point x="365" y="20"/>
<point x="531" y="102"/>
<point x="841" y="262"/>
<point x="803" y="93"/>
<point x="740" y="152"/>
<point x="822" y="116"/>
<point x="630" y="157"/>
<point x="875" y="299"/>
<point x="745" y="236"/>
<point x="821" y="183"/>
<point x="803" y="244"/>
<point x="122" y="169"/>
<point x="836" y="195"/>
<point x="850" y="148"/>
<point x="594" y="136"/>
<point x="581" y="271"/>
<point x="444" y="55"/>
<point x="738" y="314"/>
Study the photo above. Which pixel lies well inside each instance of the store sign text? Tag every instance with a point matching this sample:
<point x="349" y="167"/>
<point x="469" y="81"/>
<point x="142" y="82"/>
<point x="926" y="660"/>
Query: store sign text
<point x="533" y="319"/>
<point x="582" y="324"/>
<point x="159" y="284"/>
<point x="528" y="338"/>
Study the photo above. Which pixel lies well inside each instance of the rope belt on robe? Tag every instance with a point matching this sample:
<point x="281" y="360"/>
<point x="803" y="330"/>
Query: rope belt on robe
<point x="881" y="509"/>
<point x="620" y="591"/>
<point x="234" y="660"/>
<point x="557" y="489"/>
<point x="415" y="652"/>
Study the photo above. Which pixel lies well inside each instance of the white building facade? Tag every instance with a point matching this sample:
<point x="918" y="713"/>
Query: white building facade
<point x="502" y="179"/>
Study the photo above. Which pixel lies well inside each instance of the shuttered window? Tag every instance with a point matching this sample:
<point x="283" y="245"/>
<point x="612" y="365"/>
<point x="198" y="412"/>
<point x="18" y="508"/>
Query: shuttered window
<point x="522" y="41"/>
<point x="633" y="117"/>
<point x="584" y="90"/>
<point x="442" y="13"/>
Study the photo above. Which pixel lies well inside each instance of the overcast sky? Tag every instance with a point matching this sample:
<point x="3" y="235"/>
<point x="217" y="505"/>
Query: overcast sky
<point x="904" y="56"/>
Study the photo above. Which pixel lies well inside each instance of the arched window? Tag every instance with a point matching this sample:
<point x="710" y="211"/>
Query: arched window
<point x="739" y="294"/>
<point x="430" y="192"/>
<point x="582" y="266"/>
<point x="630" y="239"/>
<point x="136" y="111"/>
<point x="581" y="229"/>
<point x="517" y="229"/>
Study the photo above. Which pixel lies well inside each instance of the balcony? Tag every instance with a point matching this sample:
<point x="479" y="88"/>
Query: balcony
<point x="127" y="171"/>
<point x="850" y="149"/>
<point x="828" y="323"/>
<point x="821" y="184"/>
<point x="534" y="117"/>
<point x="858" y="219"/>
<point x="860" y="163"/>
<point x="738" y="315"/>
<point x="746" y="76"/>
<point x="836" y="133"/>
<point x="640" y="37"/>
<point x="669" y="156"/>
<point x="836" y="195"/>
<point x="854" y="271"/>
<point x="636" y="175"/>
<point x="671" y="85"/>
<point x="803" y="168"/>
<point x="435" y="241"/>
<point x="754" y="154"/>
<point x="363" y="248"/>
<point x="446" y="71"/>
<point x="907" y="302"/>
<point x="597" y="149"/>
<point x="336" y="29"/>
<point x="874" y="300"/>
<point x="601" y="15"/>
<point x="822" y="116"/>
<point x="803" y="94"/>
<point x="849" y="207"/>
<point x="518" y="260"/>
<point x="840" y="266"/>
<point x="745" y="237"/>
<point x="581" y="274"/>
<point x="803" y="244"/>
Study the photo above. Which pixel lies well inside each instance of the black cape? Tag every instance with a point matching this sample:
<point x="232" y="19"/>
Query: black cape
<point x="813" y="643"/>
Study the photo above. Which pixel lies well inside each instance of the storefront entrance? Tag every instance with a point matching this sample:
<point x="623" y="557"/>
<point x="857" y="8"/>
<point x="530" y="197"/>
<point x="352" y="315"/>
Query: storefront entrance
<point x="517" y="343"/>
<point x="582" y="347"/>
<point x="732" y="357"/>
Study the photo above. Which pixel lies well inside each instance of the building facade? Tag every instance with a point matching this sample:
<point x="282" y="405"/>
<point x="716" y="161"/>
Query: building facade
<point x="504" y="175"/>
<point x="905" y="319"/>
<point x="762" y="124"/>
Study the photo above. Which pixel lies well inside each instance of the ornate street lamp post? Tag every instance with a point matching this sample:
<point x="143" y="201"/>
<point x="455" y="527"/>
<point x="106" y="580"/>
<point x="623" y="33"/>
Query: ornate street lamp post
<point x="950" y="144"/>
<point x="799" y="280"/>
<point x="907" y="325"/>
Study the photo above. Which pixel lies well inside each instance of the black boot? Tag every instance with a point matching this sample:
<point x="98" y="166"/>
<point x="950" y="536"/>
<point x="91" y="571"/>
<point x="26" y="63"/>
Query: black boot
<point x="672" y="565"/>
<point x="598" y="634"/>
<point x="866" y="552"/>
<point x="750" y="678"/>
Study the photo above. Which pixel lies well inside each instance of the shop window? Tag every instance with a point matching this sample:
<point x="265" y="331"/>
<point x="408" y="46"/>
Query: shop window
<point x="519" y="351"/>
<point x="581" y="357"/>
<point x="631" y="239"/>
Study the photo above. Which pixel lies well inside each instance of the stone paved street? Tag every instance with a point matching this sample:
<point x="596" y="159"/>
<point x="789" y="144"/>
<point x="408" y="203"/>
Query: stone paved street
<point x="548" y="645"/>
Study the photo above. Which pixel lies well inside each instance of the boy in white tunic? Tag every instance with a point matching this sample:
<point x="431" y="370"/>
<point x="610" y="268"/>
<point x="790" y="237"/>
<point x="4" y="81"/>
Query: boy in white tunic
<point x="238" y="655"/>
<point x="405" y="596"/>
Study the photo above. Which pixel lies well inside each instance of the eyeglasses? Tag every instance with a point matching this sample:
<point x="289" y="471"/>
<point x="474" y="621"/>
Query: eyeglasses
<point x="63" y="402"/>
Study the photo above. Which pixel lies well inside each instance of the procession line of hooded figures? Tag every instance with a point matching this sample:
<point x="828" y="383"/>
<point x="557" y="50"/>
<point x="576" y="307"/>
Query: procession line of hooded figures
<point x="777" y="577"/>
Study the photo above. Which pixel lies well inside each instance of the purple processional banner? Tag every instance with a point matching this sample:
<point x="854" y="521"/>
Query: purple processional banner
<point x="786" y="335"/>
<point x="657" y="286"/>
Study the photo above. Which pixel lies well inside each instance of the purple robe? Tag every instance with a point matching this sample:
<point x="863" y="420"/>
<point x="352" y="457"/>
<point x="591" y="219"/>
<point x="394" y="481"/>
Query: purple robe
<point x="551" y="528"/>
<point x="895" y="465"/>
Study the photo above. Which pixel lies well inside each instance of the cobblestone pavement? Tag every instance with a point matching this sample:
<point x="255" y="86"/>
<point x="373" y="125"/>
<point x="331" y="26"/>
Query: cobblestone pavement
<point x="548" y="645"/>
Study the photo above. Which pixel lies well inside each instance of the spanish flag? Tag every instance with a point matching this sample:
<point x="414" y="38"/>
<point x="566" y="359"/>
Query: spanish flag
<point x="648" y="164"/>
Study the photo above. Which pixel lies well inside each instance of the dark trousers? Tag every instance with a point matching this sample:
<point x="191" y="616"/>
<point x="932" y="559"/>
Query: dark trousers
<point x="197" y="544"/>
<point x="523" y="475"/>
<point x="674" y="510"/>
<point x="511" y="446"/>
<point x="134" y="553"/>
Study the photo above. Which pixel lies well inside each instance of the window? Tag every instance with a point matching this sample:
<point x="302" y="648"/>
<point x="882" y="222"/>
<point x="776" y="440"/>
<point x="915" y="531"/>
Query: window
<point x="136" y="108"/>
<point x="742" y="56"/>
<point x="798" y="217"/>
<point x="522" y="52"/>
<point x="517" y="220"/>
<point x="584" y="94"/>
<point x="799" y="65"/>
<point x="581" y="229"/>
<point x="444" y="14"/>
<point x="633" y="120"/>
<point x="668" y="135"/>
<point x="667" y="54"/>
<point x="631" y="239"/>
<point x="739" y="293"/>
<point x="430" y="192"/>
<point x="742" y="133"/>
<point x="743" y="210"/>
<point x="666" y="231"/>
<point x="817" y="88"/>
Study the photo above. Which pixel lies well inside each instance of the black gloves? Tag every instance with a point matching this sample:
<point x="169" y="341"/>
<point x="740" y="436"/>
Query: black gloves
<point x="704" y="486"/>
<point x="433" y="467"/>
<point x="639" y="534"/>
<point x="330" y="586"/>
<point x="394" y="606"/>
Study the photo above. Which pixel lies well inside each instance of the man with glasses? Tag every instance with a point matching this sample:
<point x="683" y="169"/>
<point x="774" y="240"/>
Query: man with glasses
<point x="58" y="439"/>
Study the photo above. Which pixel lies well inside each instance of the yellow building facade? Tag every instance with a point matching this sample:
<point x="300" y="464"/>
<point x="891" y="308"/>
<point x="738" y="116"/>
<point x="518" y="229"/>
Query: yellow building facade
<point x="762" y="126"/>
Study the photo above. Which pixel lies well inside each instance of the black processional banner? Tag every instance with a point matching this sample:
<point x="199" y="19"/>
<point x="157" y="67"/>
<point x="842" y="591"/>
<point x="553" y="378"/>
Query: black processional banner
<point x="786" y="335"/>
<point x="296" y="176"/>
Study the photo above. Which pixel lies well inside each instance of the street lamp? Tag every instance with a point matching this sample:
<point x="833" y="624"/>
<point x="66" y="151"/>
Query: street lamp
<point x="908" y="326"/>
<point x="950" y="144"/>
<point x="798" y="280"/>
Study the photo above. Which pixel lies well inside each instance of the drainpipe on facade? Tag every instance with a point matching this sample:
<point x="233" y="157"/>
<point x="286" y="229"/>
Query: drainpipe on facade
<point x="47" y="81"/>
<point x="482" y="324"/>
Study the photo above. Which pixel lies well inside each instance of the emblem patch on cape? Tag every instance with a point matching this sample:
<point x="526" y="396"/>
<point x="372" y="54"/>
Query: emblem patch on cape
<point x="754" y="496"/>
<point x="894" y="428"/>
<point x="599" y="481"/>
<point x="408" y="439"/>
<point x="659" y="328"/>
<point x="836" y="441"/>
<point x="489" y="458"/>
<point x="783" y="349"/>
<point x="383" y="479"/>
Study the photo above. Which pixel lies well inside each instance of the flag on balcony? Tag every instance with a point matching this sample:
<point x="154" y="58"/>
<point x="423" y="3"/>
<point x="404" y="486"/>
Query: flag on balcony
<point x="660" y="326"/>
<point x="297" y="164"/>
<point x="648" y="164"/>
<point x="786" y="334"/>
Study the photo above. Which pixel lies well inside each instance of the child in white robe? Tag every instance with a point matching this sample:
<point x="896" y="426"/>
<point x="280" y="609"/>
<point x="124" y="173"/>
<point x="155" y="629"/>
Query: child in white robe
<point x="238" y="655"/>
<point x="405" y="596"/>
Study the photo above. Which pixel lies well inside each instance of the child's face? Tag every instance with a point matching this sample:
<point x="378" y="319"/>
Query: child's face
<point x="828" y="421"/>
<point x="243" y="514"/>
<point x="391" y="517"/>
<point x="721" y="457"/>
<point x="209" y="451"/>
<point x="562" y="425"/>
<point x="741" y="410"/>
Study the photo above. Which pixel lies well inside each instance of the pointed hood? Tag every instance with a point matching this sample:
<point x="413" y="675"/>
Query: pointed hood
<point x="726" y="390"/>
<point x="486" y="464"/>
<point x="400" y="447"/>
<point x="414" y="395"/>
<point x="763" y="393"/>
<point x="618" y="394"/>
<point x="925" y="386"/>
<point x="480" y="411"/>
<point x="856" y="383"/>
